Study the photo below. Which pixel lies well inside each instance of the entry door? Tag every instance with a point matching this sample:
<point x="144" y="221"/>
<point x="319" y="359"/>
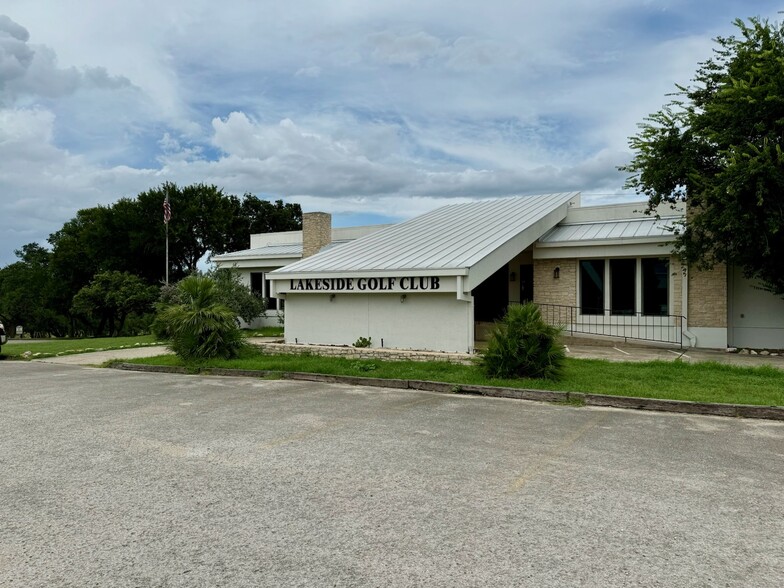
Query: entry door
<point x="526" y="283"/>
<point x="756" y="317"/>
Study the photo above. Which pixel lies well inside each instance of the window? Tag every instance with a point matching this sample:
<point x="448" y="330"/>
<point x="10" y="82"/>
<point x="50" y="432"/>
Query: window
<point x="256" y="283"/>
<point x="655" y="286"/>
<point x="623" y="286"/>
<point x="627" y="286"/>
<point x="592" y="286"/>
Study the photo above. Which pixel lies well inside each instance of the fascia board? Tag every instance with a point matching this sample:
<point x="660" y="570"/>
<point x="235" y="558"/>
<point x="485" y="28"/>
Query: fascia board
<point x="255" y="263"/>
<point x="605" y="242"/>
<point x="281" y="274"/>
<point x="609" y="249"/>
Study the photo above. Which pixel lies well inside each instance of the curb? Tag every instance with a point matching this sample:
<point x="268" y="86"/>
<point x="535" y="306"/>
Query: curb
<point x="748" y="411"/>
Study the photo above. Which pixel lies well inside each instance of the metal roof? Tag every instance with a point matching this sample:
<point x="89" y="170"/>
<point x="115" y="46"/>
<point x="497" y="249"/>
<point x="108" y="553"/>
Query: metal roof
<point x="456" y="236"/>
<point x="283" y="250"/>
<point x="634" y="229"/>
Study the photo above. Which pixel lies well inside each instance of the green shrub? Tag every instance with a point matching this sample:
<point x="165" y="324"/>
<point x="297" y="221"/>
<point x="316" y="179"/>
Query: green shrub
<point x="522" y="345"/>
<point x="363" y="342"/>
<point x="199" y="327"/>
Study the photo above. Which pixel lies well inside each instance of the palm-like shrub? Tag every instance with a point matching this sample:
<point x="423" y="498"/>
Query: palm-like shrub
<point x="200" y="327"/>
<point x="522" y="345"/>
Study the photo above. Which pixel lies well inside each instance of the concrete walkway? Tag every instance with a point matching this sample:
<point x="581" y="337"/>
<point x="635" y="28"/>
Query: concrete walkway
<point x="633" y="352"/>
<point x="98" y="357"/>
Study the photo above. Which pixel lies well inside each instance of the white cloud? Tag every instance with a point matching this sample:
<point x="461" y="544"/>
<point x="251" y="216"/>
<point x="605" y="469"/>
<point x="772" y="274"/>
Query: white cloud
<point x="411" y="49"/>
<point x="383" y="107"/>
<point x="313" y="71"/>
<point x="32" y="69"/>
<point x="43" y="185"/>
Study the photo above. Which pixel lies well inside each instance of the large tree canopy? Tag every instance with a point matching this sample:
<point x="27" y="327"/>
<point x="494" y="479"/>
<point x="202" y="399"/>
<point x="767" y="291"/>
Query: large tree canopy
<point x="105" y="303"/>
<point x="26" y="293"/>
<point x="718" y="147"/>
<point x="129" y="237"/>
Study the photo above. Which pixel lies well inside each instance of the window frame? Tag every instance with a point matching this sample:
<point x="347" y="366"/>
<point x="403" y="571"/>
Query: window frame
<point x="638" y="287"/>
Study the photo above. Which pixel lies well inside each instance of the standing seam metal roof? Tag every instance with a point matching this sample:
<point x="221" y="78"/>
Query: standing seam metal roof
<point x="455" y="236"/>
<point x="642" y="228"/>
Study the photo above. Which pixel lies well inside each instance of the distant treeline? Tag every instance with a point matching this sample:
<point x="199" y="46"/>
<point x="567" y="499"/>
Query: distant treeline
<point x="106" y="265"/>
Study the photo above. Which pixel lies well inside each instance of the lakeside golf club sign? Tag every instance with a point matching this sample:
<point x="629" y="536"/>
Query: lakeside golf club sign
<point x="398" y="284"/>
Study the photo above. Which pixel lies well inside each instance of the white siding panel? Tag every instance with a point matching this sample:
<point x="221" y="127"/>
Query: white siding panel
<point x="756" y="316"/>
<point x="436" y="322"/>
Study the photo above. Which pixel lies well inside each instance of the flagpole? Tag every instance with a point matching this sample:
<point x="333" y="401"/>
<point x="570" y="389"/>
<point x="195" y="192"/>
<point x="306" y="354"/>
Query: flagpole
<point x="166" y="219"/>
<point x="167" y="254"/>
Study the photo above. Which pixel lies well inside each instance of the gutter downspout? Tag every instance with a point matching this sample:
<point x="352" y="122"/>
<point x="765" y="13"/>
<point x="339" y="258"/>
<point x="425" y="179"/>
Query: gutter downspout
<point x="461" y="295"/>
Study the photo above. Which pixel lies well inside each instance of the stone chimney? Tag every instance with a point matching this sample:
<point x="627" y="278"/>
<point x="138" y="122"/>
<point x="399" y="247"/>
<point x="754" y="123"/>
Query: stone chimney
<point x="316" y="232"/>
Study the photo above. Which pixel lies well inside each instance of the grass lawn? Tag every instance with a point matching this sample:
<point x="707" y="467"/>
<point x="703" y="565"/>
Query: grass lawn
<point x="47" y="348"/>
<point x="264" y="332"/>
<point x="701" y="382"/>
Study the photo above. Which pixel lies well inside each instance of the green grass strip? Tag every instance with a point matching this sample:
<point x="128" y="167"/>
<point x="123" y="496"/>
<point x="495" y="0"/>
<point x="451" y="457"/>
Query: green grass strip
<point x="264" y="332"/>
<point x="676" y="380"/>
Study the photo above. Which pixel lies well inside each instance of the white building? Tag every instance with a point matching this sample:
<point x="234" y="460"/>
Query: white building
<point x="438" y="280"/>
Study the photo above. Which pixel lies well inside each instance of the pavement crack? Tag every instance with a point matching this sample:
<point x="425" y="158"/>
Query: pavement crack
<point x="540" y="464"/>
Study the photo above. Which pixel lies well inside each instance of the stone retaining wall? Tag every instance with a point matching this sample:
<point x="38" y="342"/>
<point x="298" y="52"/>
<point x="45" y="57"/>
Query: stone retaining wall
<point x="366" y="353"/>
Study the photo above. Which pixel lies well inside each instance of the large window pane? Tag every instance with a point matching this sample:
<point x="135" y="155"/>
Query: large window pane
<point x="655" y="286"/>
<point x="623" y="286"/>
<point x="256" y="281"/>
<point x="592" y="286"/>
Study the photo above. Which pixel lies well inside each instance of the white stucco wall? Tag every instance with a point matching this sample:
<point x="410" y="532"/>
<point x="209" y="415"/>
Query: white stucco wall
<point x="707" y="337"/>
<point x="437" y="322"/>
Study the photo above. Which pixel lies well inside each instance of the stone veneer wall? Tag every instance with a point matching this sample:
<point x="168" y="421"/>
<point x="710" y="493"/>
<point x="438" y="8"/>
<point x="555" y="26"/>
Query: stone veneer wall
<point x="316" y="232"/>
<point x="676" y="278"/>
<point x="708" y="298"/>
<point x="365" y="353"/>
<point x="548" y="290"/>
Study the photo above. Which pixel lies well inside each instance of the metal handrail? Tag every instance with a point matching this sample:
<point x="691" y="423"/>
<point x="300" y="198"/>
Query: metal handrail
<point x="665" y="328"/>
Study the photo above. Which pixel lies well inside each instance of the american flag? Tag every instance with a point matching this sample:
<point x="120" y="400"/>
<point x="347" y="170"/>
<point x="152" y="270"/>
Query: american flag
<point x="166" y="210"/>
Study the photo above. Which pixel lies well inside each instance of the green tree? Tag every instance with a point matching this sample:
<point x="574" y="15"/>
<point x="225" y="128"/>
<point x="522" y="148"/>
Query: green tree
<point x="203" y="218"/>
<point x="110" y="298"/>
<point x="129" y="235"/>
<point x="262" y="216"/>
<point x="26" y="293"/>
<point x="236" y="295"/>
<point x="718" y="147"/>
<point x="200" y="326"/>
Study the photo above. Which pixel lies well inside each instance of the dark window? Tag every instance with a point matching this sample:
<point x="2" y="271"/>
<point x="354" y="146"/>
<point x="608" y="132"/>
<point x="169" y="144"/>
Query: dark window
<point x="655" y="286"/>
<point x="269" y="301"/>
<point x="623" y="286"/>
<point x="592" y="286"/>
<point x="526" y="283"/>
<point x="256" y="281"/>
<point x="491" y="297"/>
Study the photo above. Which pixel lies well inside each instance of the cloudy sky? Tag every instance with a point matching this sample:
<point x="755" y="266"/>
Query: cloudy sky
<point x="374" y="111"/>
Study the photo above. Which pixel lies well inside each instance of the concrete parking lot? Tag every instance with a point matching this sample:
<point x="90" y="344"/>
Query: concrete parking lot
<point x="130" y="479"/>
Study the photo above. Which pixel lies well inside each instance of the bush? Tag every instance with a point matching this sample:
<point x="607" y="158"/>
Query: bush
<point x="522" y="345"/>
<point x="199" y="327"/>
